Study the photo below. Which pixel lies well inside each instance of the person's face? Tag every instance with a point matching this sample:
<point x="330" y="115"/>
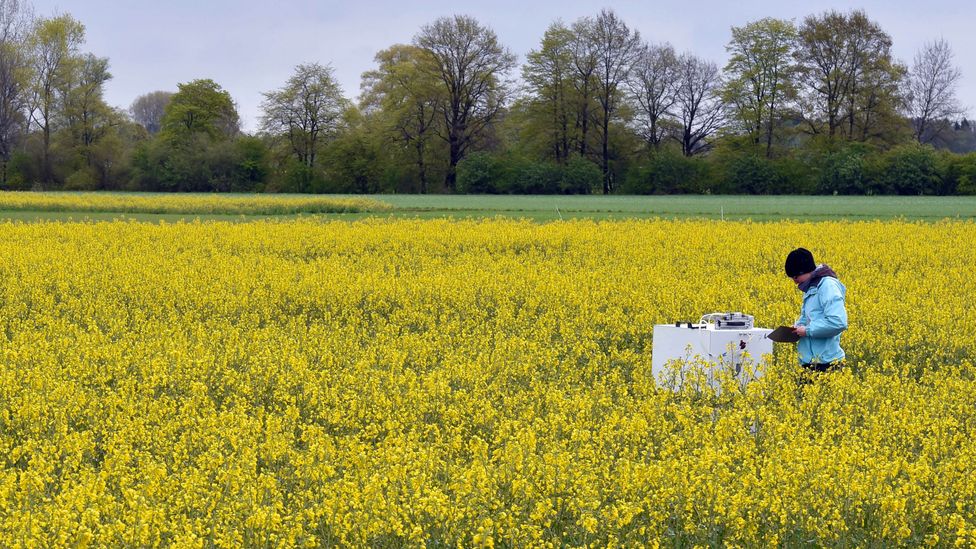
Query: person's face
<point x="800" y="279"/>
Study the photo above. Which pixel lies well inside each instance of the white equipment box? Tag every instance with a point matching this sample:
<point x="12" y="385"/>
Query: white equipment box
<point x="722" y="339"/>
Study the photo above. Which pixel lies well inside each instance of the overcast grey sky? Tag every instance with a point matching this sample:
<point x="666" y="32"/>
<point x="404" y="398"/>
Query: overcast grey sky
<point x="250" y="46"/>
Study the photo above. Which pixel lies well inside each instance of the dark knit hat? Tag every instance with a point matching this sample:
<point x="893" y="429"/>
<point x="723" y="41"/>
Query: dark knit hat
<point x="800" y="261"/>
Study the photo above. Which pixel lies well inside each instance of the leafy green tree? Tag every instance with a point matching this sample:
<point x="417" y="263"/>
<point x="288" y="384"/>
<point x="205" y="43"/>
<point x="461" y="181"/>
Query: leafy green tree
<point x="752" y="174"/>
<point x="200" y="107"/>
<point x="617" y="49"/>
<point x="548" y="74"/>
<point x="471" y="66"/>
<point x="667" y="171"/>
<point x="199" y="148"/>
<point x="109" y="159"/>
<point x="912" y="169"/>
<point x="961" y="173"/>
<point x="201" y="164"/>
<point x="15" y="25"/>
<point x="846" y="170"/>
<point x="480" y="173"/>
<point x="306" y="112"/>
<point x="238" y="165"/>
<point x="874" y="114"/>
<point x="517" y="174"/>
<point x="759" y="76"/>
<point x="823" y="67"/>
<point x="53" y="45"/>
<point x="86" y="115"/>
<point x="159" y="166"/>
<point x="850" y="80"/>
<point x="403" y="95"/>
<point x="575" y="99"/>
<point x="580" y="176"/>
<point x="353" y="158"/>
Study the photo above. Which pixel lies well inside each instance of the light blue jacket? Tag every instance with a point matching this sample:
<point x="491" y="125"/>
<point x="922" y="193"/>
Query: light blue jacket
<point x="824" y="315"/>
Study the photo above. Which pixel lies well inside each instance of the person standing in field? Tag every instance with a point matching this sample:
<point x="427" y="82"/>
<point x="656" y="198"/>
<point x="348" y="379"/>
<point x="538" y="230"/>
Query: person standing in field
<point x="823" y="316"/>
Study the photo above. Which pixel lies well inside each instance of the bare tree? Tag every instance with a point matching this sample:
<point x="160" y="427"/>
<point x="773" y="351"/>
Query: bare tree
<point x="654" y="83"/>
<point x="471" y="65"/>
<point x="147" y="110"/>
<point x="585" y="60"/>
<point x="15" y="22"/>
<point x="930" y="91"/>
<point x="617" y="48"/>
<point x="699" y="104"/>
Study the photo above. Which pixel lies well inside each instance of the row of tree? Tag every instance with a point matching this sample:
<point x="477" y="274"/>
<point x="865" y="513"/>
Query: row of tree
<point x="596" y="109"/>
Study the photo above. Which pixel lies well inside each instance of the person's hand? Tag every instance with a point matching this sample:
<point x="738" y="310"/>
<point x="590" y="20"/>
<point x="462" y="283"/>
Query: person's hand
<point x="800" y="330"/>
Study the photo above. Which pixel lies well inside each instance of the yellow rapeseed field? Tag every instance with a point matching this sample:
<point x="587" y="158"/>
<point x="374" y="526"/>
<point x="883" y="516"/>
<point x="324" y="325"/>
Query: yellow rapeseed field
<point x="474" y="383"/>
<point x="191" y="204"/>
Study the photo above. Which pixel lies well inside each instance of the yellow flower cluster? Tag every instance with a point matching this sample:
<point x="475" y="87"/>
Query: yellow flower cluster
<point x="474" y="383"/>
<point x="202" y="204"/>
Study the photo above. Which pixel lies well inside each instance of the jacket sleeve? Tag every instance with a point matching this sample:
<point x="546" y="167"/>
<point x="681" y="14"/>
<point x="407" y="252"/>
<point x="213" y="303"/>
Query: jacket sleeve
<point x="834" y="320"/>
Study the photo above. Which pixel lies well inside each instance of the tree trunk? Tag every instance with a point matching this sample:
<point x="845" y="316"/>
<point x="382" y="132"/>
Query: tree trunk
<point x="850" y="121"/>
<point x="46" y="156"/>
<point x="563" y="128"/>
<point x="450" y="180"/>
<point x="920" y="129"/>
<point x="556" y="151"/>
<point x="565" y="136"/>
<point x="832" y="119"/>
<point x="606" y="151"/>
<point x="421" y="168"/>
<point x="584" y="121"/>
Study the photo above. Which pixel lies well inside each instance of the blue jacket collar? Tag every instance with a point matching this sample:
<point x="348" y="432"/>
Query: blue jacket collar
<point x="822" y="271"/>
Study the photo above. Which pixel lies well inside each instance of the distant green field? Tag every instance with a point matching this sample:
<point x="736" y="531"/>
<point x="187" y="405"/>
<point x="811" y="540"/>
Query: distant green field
<point x="758" y="208"/>
<point x="547" y="208"/>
